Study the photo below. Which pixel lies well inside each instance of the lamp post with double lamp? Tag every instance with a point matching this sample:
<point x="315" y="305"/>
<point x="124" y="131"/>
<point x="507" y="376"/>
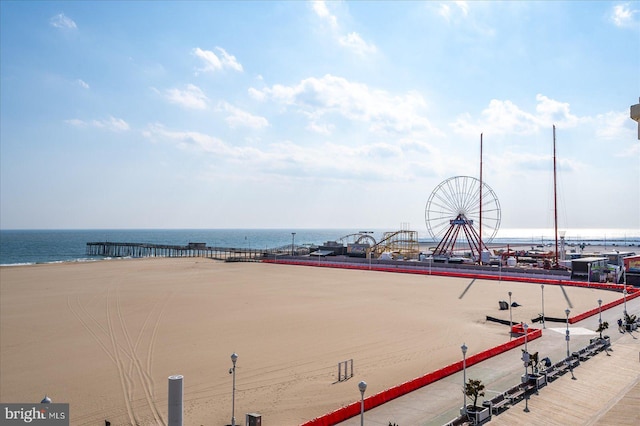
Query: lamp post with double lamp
<point x="525" y="355"/>
<point x="234" y="358"/>
<point x="600" y="311"/>
<point x="363" y="387"/>
<point x="567" y="338"/>
<point x="464" y="378"/>
<point x="510" y="317"/>
<point x="542" y="288"/>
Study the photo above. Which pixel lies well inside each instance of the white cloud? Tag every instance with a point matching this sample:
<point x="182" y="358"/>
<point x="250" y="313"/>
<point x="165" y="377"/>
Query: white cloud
<point x="553" y="112"/>
<point x="354" y="42"/>
<point x="62" y="21"/>
<point x="613" y="125"/>
<point x="322" y="129"/>
<point x="445" y="10"/>
<point x="188" y="139"/>
<point x="76" y="122"/>
<point x="633" y="151"/>
<point x="82" y="84"/>
<point x="515" y="163"/>
<point x="623" y="15"/>
<point x="116" y="124"/>
<point x="320" y="8"/>
<point x="257" y="94"/>
<point x="504" y="117"/>
<point x="351" y="40"/>
<point x="458" y="14"/>
<point x="213" y="62"/>
<point x="320" y="98"/>
<point x="112" y="123"/>
<point x="192" y="97"/>
<point x="328" y="160"/>
<point x="240" y="118"/>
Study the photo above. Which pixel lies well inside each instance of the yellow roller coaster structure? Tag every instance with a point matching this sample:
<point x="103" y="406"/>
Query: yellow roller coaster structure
<point x="403" y="243"/>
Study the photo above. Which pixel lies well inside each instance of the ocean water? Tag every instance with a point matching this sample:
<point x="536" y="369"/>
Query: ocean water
<point x="24" y="247"/>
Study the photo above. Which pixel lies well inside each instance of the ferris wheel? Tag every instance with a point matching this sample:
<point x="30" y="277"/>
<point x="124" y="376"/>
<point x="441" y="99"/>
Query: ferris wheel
<point x="454" y="205"/>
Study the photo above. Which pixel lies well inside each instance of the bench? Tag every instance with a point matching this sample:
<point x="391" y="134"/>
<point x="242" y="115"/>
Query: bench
<point x="496" y="403"/>
<point x="515" y="393"/>
<point x="587" y="352"/>
<point x="553" y="372"/>
<point x="573" y="362"/>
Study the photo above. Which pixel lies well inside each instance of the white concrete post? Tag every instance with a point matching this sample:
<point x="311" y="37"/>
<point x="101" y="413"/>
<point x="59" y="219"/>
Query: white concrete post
<point x="175" y="400"/>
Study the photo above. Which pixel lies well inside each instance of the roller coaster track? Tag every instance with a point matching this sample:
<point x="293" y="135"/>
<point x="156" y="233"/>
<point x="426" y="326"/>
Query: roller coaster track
<point x="402" y="241"/>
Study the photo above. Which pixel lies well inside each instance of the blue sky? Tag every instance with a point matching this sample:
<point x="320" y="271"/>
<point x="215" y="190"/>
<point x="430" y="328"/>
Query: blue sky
<point x="315" y="114"/>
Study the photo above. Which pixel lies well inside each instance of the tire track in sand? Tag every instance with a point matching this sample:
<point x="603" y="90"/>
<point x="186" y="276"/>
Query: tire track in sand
<point x="124" y="381"/>
<point x="90" y="330"/>
<point x="124" y="355"/>
<point x="152" y="342"/>
<point x="136" y="364"/>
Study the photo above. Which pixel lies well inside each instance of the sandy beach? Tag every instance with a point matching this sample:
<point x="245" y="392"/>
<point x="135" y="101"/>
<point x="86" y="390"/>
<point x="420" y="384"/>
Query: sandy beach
<point x="104" y="336"/>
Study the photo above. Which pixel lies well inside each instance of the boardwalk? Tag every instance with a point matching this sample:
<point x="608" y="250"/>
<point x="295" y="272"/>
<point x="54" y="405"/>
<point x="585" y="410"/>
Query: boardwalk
<point x="606" y="390"/>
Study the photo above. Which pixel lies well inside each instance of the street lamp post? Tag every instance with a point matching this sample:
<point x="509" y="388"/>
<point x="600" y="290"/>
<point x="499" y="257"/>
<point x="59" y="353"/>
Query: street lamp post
<point x="567" y="312"/>
<point x="464" y="378"/>
<point x="525" y="355"/>
<point x="567" y="338"/>
<point x="624" y="295"/>
<point x="363" y="387"/>
<point x="234" y="358"/>
<point x="542" y="288"/>
<point x="600" y="311"/>
<point x="293" y="240"/>
<point x="510" y="317"/>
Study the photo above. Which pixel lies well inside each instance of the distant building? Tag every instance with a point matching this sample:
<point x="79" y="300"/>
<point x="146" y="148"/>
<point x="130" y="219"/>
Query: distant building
<point x="632" y="270"/>
<point x="617" y="257"/>
<point x="336" y="248"/>
<point x="588" y="268"/>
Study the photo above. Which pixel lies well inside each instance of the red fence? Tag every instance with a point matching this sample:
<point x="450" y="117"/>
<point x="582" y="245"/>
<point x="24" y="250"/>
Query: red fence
<point x="380" y="398"/>
<point x="425" y="271"/>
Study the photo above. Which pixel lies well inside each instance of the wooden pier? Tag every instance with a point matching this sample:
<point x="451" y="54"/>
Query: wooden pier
<point x="229" y="254"/>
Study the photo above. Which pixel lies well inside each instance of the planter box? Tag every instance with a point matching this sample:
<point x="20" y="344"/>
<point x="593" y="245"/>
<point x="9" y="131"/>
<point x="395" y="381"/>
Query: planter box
<point x="478" y="414"/>
<point x="631" y="327"/>
<point x="605" y="340"/>
<point x="539" y="380"/>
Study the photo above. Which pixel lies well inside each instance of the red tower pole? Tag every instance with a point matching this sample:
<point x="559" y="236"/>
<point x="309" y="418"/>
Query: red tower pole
<point x="555" y="193"/>
<point x="480" y="226"/>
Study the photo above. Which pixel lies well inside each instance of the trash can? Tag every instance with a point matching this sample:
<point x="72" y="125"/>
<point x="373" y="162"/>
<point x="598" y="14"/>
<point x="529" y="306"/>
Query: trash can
<point x="253" y="419"/>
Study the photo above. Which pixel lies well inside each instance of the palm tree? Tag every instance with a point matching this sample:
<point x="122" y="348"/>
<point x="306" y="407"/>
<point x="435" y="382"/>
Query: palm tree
<point x="474" y="388"/>
<point x="602" y="327"/>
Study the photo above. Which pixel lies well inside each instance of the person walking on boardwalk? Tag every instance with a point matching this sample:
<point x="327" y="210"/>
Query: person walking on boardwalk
<point x="620" y="328"/>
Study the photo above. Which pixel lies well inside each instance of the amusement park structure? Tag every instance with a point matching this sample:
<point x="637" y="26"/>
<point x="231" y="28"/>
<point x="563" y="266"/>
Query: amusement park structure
<point x="452" y="216"/>
<point x="401" y="243"/>
<point x="463" y="209"/>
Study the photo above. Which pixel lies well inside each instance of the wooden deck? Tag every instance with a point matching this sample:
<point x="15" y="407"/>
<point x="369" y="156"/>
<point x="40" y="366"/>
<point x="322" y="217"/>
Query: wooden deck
<point x="606" y="392"/>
